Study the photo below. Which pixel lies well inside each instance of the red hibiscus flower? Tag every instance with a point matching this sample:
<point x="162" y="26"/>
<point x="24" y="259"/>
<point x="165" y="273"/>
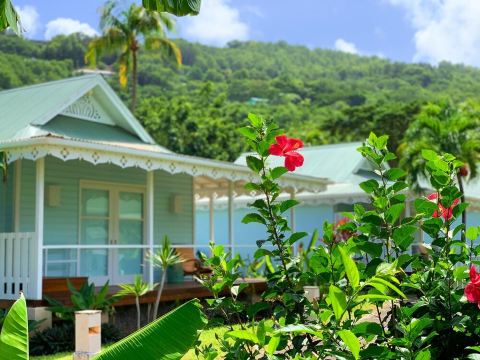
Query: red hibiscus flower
<point x="286" y="147"/>
<point x="472" y="290"/>
<point x="446" y="213"/>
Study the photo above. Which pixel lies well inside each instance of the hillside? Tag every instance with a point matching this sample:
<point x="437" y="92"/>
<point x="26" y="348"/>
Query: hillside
<point x="323" y="96"/>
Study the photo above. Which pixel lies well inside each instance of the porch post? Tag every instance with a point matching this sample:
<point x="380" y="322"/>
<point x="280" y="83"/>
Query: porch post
<point x="231" y="240"/>
<point x="150" y="220"/>
<point x="211" y="210"/>
<point x="18" y="188"/>
<point x="39" y="221"/>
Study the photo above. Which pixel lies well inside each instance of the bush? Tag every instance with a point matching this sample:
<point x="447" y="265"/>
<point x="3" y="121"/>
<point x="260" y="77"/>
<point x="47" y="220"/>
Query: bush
<point x="363" y="266"/>
<point x="61" y="338"/>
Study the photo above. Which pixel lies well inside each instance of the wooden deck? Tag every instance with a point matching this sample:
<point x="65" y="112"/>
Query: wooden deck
<point x="57" y="288"/>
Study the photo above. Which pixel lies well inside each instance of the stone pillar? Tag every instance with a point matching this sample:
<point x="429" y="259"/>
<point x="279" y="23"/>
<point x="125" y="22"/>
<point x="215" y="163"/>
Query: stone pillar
<point x="311" y="292"/>
<point x="88" y="334"/>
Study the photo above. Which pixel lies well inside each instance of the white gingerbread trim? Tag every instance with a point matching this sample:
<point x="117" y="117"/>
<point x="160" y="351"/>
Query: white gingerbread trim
<point x="124" y="157"/>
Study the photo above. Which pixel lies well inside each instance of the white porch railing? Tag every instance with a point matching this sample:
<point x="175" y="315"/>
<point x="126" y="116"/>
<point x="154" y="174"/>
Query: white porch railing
<point x="17" y="265"/>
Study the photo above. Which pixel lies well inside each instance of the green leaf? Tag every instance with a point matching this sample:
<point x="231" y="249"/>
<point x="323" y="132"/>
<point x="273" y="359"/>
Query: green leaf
<point x="175" y="7"/>
<point x="423" y="355"/>
<point x="403" y="236"/>
<point x="295" y="237"/>
<point x="273" y="344"/>
<point x="255" y="120"/>
<point x="167" y="338"/>
<point x="275" y="173"/>
<point x="243" y="335"/>
<point x="367" y="328"/>
<point x="394" y="174"/>
<point x="253" y="217"/>
<point x="429" y="155"/>
<point x="14" y="335"/>
<point x="351" y="341"/>
<point x="287" y="204"/>
<point x="254" y="163"/>
<point x="424" y="206"/>
<point x="472" y="232"/>
<point x="248" y="133"/>
<point x="338" y="301"/>
<point x="350" y="268"/>
<point x="369" y="186"/>
<point x="394" y="212"/>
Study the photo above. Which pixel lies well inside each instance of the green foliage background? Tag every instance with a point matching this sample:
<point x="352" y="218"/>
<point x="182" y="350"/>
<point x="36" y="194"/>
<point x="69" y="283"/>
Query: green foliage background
<point x="324" y="96"/>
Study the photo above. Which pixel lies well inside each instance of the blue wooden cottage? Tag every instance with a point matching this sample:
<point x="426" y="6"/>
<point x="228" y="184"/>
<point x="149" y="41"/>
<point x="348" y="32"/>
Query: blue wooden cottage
<point x="342" y="164"/>
<point x="87" y="192"/>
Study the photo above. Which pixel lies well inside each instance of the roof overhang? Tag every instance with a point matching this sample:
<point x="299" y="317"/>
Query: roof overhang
<point x="210" y="175"/>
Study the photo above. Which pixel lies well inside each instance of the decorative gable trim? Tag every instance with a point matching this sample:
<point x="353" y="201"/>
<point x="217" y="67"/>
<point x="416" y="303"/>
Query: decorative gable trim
<point x="87" y="108"/>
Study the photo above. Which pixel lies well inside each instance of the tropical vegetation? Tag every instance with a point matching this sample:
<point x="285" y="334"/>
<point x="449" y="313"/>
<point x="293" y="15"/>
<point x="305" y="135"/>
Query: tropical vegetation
<point x="124" y="32"/>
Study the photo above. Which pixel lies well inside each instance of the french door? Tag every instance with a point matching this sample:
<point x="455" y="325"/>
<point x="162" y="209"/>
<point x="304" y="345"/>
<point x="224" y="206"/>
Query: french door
<point x="111" y="214"/>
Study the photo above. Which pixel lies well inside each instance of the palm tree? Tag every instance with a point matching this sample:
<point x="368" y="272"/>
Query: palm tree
<point x="163" y="259"/>
<point x="444" y="128"/>
<point x="137" y="289"/>
<point x="125" y="32"/>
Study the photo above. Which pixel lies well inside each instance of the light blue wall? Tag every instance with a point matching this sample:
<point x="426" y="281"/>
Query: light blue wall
<point x="308" y="218"/>
<point x="61" y="223"/>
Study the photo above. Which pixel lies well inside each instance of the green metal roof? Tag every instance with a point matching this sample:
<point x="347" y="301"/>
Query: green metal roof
<point x="33" y="111"/>
<point x="337" y="162"/>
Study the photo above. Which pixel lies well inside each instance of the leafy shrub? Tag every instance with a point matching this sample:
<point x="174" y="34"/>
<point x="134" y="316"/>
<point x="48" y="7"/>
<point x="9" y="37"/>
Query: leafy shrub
<point x="364" y="268"/>
<point x="87" y="298"/>
<point x="61" y="338"/>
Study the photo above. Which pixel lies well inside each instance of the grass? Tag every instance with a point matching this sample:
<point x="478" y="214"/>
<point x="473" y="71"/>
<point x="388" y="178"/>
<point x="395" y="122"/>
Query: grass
<point x="206" y="337"/>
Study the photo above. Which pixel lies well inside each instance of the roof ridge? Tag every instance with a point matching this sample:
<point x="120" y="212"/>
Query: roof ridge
<point x="48" y="83"/>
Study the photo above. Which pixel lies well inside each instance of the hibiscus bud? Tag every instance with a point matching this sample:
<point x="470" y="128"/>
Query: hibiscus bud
<point x="463" y="171"/>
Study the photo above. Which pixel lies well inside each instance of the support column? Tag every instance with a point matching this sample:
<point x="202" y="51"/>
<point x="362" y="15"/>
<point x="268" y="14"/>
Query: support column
<point x="150" y="222"/>
<point x="231" y="218"/>
<point x="211" y="209"/>
<point x="17" y="200"/>
<point x="39" y="221"/>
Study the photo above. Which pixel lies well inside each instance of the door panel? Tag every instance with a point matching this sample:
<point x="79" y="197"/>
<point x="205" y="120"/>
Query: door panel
<point x="112" y="215"/>
<point x="128" y="262"/>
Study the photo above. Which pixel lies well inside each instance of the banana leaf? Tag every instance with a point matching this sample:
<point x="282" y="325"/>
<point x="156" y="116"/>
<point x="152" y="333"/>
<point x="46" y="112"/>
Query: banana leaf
<point x="14" y="335"/>
<point x="167" y="338"/>
<point x="175" y="7"/>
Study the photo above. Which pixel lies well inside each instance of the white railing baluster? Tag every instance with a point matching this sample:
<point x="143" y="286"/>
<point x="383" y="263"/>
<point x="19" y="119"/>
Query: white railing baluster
<point x="17" y="265"/>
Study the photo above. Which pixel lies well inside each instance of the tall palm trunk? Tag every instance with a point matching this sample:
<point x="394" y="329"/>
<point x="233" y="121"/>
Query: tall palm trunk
<point x="159" y="294"/>
<point x="462" y="198"/>
<point x="133" y="103"/>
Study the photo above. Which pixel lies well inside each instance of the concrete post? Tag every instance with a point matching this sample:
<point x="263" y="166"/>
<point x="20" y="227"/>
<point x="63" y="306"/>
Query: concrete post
<point x="88" y="334"/>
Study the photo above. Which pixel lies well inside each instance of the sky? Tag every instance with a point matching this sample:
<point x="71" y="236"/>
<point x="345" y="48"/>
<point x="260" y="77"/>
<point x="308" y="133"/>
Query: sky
<point x="402" y="30"/>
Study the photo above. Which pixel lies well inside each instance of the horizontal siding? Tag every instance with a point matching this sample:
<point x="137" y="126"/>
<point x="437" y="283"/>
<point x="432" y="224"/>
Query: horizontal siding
<point x="179" y="227"/>
<point x="27" y="197"/>
<point x="61" y="223"/>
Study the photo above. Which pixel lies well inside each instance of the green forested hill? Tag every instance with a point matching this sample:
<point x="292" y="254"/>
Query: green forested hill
<point x="323" y="96"/>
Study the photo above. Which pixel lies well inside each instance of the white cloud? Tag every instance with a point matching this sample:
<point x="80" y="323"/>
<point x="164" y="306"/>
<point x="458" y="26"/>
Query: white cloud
<point x="66" y="26"/>
<point x="217" y="24"/>
<point x="28" y="19"/>
<point x="345" y="46"/>
<point x="444" y="29"/>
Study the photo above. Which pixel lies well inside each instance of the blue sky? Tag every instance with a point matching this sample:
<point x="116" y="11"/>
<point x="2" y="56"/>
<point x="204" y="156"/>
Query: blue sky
<point x="405" y="30"/>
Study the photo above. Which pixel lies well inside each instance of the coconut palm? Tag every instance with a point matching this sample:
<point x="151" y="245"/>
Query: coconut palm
<point x="163" y="259"/>
<point x="137" y="289"/>
<point x="125" y="32"/>
<point x="444" y="128"/>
